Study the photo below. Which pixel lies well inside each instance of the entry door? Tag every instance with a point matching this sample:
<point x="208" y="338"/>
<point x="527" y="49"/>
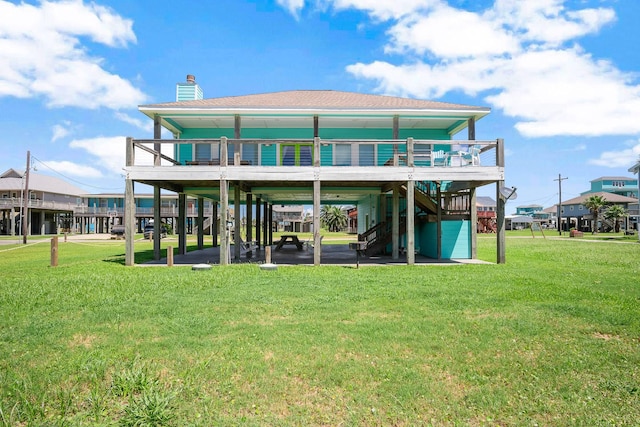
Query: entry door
<point x="296" y="155"/>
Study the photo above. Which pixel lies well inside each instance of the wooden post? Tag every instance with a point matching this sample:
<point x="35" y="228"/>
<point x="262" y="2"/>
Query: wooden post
<point x="237" y="237"/>
<point x="473" y="219"/>
<point x="249" y="205"/>
<point x="224" y="209"/>
<point x="267" y="254"/>
<point x="395" y="223"/>
<point x="54" y="251"/>
<point x="317" y="247"/>
<point x="182" y="222"/>
<point x="439" y="223"/>
<point x="316" y="223"/>
<point x="169" y="256"/>
<point x="200" y="223"/>
<point x="130" y="209"/>
<point x="411" y="254"/>
<point x="258" y="224"/>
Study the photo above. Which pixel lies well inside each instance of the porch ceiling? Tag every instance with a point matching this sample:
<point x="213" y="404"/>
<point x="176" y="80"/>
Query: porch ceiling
<point x="178" y="122"/>
<point x="279" y="192"/>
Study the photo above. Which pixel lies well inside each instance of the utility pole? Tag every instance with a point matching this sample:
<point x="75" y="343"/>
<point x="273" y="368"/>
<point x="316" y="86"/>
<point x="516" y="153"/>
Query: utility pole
<point x="560" y="179"/>
<point x="25" y="200"/>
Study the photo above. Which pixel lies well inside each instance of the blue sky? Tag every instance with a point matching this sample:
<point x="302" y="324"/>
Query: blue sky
<point x="561" y="76"/>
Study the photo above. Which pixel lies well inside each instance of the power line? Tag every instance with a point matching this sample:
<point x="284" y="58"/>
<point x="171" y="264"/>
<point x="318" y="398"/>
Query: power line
<point x="74" y="180"/>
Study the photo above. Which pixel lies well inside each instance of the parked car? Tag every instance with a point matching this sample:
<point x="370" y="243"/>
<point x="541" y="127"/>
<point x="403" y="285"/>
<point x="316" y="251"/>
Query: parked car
<point x="149" y="228"/>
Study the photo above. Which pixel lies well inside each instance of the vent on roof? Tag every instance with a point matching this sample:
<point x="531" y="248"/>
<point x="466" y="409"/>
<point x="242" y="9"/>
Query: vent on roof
<point x="188" y="91"/>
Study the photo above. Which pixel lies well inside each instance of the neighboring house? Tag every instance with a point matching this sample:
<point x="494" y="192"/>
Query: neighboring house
<point x="536" y="212"/>
<point x="576" y="215"/>
<point x="623" y="186"/>
<point x="396" y="159"/>
<point x="50" y="203"/>
<point x="55" y="206"/>
<point x="486" y="211"/>
<point x="98" y="212"/>
<point x="288" y="217"/>
<point x="528" y="210"/>
<point x="518" y="222"/>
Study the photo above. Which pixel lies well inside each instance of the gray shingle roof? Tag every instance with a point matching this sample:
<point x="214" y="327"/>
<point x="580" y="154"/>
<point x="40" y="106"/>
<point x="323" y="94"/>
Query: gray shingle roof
<point x="311" y="99"/>
<point x="12" y="180"/>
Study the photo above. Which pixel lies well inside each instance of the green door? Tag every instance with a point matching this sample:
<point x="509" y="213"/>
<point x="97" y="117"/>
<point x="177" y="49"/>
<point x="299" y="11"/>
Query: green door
<point x="296" y="155"/>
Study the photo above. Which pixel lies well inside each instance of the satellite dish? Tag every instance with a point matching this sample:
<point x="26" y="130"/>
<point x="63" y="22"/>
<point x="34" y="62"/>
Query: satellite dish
<point x="509" y="193"/>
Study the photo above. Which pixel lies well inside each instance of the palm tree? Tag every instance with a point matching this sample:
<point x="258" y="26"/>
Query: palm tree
<point x="615" y="213"/>
<point x="594" y="204"/>
<point x="333" y="217"/>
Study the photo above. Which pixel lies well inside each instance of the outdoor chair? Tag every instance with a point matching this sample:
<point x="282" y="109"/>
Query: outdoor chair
<point x="472" y="156"/>
<point x="439" y="158"/>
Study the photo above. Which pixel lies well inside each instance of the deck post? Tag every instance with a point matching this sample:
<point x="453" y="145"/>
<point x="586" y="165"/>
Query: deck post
<point x="157" y="202"/>
<point x="182" y="222"/>
<point x="224" y="204"/>
<point x="130" y="209"/>
<point x="265" y="223"/>
<point x="215" y="224"/>
<point x="473" y="219"/>
<point x="249" y="205"/>
<point x="500" y="207"/>
<point x="258" y="224"/>
<point x="395" y="223"/>
<point x="270" y="224"/>
<point x="410" y="233"/>
<point x="439" y="222"/>
<point x="224" y="209"/>
<point x="237" y="237"/>
<point x="317" y="247"/>
<point x="200" y="223"/>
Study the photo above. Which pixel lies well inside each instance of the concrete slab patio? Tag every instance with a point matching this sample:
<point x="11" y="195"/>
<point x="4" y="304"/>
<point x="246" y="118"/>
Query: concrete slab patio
<point x="332" y="254"/>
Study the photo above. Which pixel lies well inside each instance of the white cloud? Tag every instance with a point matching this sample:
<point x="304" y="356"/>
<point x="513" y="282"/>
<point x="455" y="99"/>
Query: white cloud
<point x="41" y="54"/>
<point x="293" y="6"/>
<point x="108" y="152"/>
<point x="60" y="131"/>
<point x="522" y="56"/>
<point x="146" y="125"/>
<point x="618" y="159"/>
<point x="74" y="169"/>
<point x="384" y="9"/>
<point x="450" y="33"/>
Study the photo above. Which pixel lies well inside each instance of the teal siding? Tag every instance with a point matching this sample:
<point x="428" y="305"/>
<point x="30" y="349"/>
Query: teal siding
<point x="326" y="155"/>
<point x="456" y="240"/>
<point x="184" y="152"/>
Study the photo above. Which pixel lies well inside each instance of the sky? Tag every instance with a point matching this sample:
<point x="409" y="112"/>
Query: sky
<point x="562" y="77"/>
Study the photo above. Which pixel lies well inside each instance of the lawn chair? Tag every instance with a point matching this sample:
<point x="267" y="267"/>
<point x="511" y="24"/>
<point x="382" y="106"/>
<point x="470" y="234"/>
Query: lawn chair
<point x="439" y="158"/>
<point x="472" y="156"/>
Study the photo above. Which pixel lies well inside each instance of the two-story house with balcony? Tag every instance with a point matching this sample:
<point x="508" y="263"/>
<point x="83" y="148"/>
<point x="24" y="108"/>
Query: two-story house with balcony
<point x="398" y="160"/>
<point x="50" y="203"/>
<point x="623" y="186"/>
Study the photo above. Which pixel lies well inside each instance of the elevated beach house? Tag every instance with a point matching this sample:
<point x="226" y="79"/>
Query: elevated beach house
<point x="393" y="158"/>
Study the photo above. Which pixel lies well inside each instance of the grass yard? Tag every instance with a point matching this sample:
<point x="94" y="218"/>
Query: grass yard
<point x="550" y="338"/>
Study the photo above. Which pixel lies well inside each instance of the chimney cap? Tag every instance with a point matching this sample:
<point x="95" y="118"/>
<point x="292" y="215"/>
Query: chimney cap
<point x="191" y="78"/>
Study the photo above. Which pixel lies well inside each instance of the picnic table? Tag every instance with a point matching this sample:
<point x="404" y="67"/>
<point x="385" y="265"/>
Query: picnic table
<point x="289" y="239"/>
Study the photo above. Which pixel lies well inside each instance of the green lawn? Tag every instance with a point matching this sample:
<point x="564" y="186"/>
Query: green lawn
<point x="550" y="338"/>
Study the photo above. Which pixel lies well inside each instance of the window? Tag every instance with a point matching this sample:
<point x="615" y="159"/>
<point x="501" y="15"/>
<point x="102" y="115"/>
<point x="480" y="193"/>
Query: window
<point x="366" y="155"/>
<point x="343" y="155"/>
